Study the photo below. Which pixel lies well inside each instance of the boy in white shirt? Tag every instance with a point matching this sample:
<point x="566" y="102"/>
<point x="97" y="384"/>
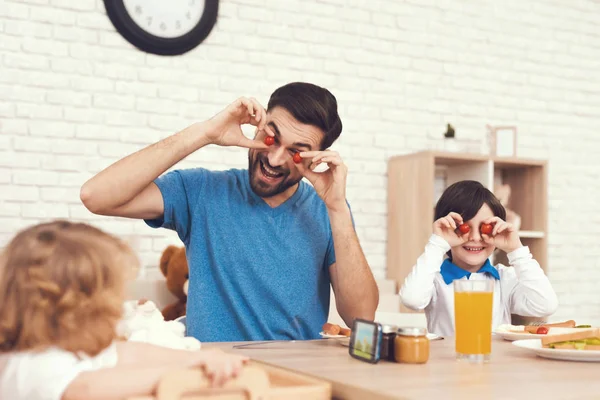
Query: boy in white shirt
<point x="61" y="297"/>
<point x="469" y="225"/>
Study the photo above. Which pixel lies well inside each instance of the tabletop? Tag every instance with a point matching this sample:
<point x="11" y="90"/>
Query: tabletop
<point x="512" y="373"/>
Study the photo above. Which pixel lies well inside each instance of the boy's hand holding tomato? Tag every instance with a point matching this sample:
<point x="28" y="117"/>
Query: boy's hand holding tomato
<point x="503" y="235"/>
<point x="452" y="229"/>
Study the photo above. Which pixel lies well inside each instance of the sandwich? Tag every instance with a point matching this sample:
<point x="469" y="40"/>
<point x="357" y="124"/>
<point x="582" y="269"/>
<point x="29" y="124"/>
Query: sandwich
<point x="335" y="329"/>
<point x="536" y="328"/>
<point x="331" y="329"/>
<point x="585" y="339"/>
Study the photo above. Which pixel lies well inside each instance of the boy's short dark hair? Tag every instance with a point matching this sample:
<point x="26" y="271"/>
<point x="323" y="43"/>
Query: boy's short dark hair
<point x="312" y="105"/>
<point x="466" y="198"/>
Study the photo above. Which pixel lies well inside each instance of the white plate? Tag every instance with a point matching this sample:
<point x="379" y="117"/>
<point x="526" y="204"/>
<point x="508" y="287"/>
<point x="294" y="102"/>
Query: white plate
<point x="510" y="336"/>
<point x="535" y="346"/>
<point x="328" y="336"/>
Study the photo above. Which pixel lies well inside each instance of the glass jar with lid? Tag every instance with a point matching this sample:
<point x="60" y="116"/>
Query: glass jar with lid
<point x="411" y="345"/>
<point x="388" y="335"/>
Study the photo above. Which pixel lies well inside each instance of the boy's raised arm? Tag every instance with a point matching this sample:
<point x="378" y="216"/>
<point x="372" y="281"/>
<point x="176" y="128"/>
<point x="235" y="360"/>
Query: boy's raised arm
<point x="418" y="288"/>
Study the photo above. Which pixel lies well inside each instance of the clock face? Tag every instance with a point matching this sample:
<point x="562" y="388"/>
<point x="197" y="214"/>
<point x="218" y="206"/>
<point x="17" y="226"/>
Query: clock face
<point x="163" y="27"/>
<point x="165" y="18"/>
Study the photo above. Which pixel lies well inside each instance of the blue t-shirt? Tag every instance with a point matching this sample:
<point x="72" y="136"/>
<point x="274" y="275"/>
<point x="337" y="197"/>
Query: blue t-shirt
<point x="256" y="272"/>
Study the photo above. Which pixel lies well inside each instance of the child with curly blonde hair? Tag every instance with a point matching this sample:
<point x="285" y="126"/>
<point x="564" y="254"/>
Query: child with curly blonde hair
<point x="62" y="288"/>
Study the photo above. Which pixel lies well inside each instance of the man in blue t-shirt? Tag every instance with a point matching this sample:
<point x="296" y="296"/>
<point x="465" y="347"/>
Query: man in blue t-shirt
<point x="263" y="246"/>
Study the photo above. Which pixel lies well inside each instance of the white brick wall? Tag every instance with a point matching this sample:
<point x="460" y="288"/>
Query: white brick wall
<point x="74" y="97"/>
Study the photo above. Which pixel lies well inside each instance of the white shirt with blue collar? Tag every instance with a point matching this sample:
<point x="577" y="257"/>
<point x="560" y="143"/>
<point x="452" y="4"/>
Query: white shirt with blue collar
<point x="523" y="288"/>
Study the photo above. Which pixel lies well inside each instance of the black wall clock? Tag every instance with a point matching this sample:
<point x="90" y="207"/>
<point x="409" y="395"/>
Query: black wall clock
<point x="164" y="27"/>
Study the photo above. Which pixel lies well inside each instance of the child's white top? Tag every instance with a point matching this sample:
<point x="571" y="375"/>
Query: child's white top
<point x="523" y="288"/>
<point x="45" y="375"/>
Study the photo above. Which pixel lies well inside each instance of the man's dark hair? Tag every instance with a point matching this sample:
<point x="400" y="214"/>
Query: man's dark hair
<point x="466" y="198"/>
<point x="312" y="105"/>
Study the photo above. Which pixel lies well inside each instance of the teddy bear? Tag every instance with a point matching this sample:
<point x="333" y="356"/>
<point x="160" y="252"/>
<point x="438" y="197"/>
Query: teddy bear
<point x="503" y="192"/>
<point x="143" y="322"/>
<point x="174" y="266"/>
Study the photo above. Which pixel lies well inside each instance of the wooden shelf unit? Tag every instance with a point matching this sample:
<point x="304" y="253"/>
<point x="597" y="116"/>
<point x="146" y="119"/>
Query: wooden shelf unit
<point x="412" y="195"/>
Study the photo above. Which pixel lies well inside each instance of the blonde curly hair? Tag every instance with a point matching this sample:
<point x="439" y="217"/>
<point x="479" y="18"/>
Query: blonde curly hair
<point x="62" y="284"/>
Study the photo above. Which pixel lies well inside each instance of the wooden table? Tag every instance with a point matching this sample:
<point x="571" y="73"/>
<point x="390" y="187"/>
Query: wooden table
<point x="512" y="373"/>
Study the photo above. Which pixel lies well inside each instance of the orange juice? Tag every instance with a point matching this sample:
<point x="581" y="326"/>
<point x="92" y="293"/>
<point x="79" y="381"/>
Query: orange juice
<point x="473" y="322"/>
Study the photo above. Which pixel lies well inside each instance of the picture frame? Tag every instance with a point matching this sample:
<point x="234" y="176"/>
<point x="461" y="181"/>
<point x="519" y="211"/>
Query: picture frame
<point x="503" y="141"/>
<point x="365" y="341"/>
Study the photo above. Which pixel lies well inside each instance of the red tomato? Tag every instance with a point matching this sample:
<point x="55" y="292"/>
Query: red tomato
<point x="464" y="228"/>
<point x="297" y="158"/>
<point x="487" y="229"/>
<point x="542" y="330"/>
<point x="269" y="140"/>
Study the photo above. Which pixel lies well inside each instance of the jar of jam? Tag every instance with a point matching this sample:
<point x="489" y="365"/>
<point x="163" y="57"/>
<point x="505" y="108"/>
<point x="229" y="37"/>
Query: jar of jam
<point x="388" y="334"/>
<point x="411" y="346"/>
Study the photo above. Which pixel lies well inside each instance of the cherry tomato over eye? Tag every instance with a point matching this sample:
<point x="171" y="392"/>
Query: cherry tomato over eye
<point x="464" y="228"/>
<point x="542" y="330"/>
<point x="297" y="158"/>
<point x="269" y="140"/>
<point x="486" y="229"/>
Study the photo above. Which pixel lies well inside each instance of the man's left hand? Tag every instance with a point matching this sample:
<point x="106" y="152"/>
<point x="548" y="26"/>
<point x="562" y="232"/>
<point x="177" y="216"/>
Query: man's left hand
<point x="330" y="185"/>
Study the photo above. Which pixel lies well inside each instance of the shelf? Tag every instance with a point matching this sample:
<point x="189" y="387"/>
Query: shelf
<point x="510" y="162"/>
<point x="451" y="159"/>
<point x="532" y="234"/>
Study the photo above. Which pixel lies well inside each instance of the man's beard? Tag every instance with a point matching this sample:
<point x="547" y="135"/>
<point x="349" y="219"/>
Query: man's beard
<point x="262" y="188"/>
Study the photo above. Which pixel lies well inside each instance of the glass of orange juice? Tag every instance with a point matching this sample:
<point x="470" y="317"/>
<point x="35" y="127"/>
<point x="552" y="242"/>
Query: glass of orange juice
<point x="473" y="303"/>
